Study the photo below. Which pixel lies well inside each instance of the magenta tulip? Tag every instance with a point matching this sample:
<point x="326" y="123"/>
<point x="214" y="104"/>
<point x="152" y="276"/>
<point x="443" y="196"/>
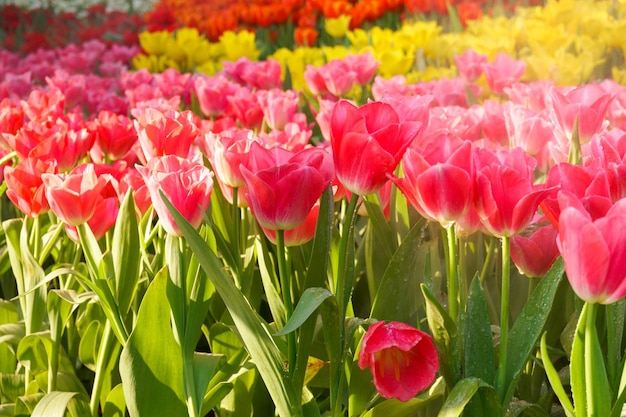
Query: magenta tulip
<point x="402" y="359"/>
<point x="368" y="142"/>
<point x="282" y="186"/>
<point x="593" y="250"/>
<point x="186" y="183"/>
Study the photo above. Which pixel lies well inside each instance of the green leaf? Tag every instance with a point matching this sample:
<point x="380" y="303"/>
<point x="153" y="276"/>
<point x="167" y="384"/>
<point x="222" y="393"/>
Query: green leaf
<point x="461" y="394"/>
<point x="8" y="312"/>
<point x="215" y="395"/>
<point x="254" y="334"/>
<point x="524" y="409"/>
<point x="600" y="390"/>
<point x="410" y="408"/>
<point x="311" y="299"/>
<point x="397" y="298"/>
<point x="317" y="270"/>
<point x="555" y="381"/>
<point x="528" y="327"/>
<point x="115" y="404"/>
<point x="269" y="279"/>
<point x="25" y="405"/>
<point x="55" y="403"/>
<point x="126" y="253"/>
<point x="151" y="361"/>
<point x="577" y="371"/>
<point x="205" y="365"/>
<point x="444" y="333"/>
<point x="479" y="353"/>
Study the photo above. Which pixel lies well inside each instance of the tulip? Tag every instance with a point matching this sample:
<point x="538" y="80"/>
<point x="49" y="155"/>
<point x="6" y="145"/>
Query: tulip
<point x="299" y="235"/>
<point x="282" y="186"/>
<point x="438" y="181"/>
<point x="73" y="197"/>
<point x="115" y="134"/>
<point x="469" y="64"/>
<point x="533" y="255"/>
<point x="506" y="197"/>
<point x="25" y="187"/>
<point x="186" y="183"/>
<point x="593" y="250"/>
<point x="368" y="143"/>
<point x="503" y="72"/>
<point x="402" y="359"/>
<point x="212" y="92"/>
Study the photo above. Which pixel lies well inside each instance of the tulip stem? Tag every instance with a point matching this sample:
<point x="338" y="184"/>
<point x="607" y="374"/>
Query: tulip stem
<point x="107" y="351"/>
<point x="453" y="281"/>
<point x="590" y="371"/>
<point x="285" y="284"/>
<point x="236" y="236"/>
<point x="504" y="315"/>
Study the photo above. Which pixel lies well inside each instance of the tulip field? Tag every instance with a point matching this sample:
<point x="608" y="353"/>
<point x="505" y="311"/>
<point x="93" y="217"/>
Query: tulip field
<point x="311" y="208"/>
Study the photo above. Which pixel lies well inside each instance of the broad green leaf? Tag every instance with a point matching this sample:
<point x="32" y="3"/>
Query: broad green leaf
<point x="32" y="351"/>
<point x="599" y="393"/>
<point x="28" y="274"/>
<point x="523" y="409"/>
<point x="126" y="253"/>
<point x="269" y="279"/>
<point x="317" y="270"/>
<point x="151" y="361"/>
<point x="555" y="381"/>
<point x="11" y="386"/>
<point x="7" y="410"/>
<point x="25" y="405"/>
<point x="89" y="344"/>
<point x="205" y="365"/>
<point x="528" y="327"/>
<point x="479" y="353"/>
<point x="445" y="335"/>
<point x="462" y="393"/>
<point x="398" y="297"/>
<point x="8" y="312"/>
<point x="311" y="299"/>
<point x="254" y="334"/>
<point x="410" y="408"/>
<point x="115" y="404"/>
<point x="577" y="372"/>
<point x="214" y="396"/>
<point x="55" y="403"/>
<point x="8" y="361"/>
<point x="377" y="220"/>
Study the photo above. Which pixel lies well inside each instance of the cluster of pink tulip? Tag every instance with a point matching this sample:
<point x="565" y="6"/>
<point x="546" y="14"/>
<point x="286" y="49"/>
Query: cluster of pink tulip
<point x="76" y="142"/>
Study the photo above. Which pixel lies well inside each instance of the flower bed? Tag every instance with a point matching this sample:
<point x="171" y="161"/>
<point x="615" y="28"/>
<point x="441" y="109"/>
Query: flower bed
<point x="318" y="231"/>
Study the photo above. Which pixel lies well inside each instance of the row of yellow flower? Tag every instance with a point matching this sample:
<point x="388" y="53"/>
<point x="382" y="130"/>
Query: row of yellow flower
<point x="568" y="41"/>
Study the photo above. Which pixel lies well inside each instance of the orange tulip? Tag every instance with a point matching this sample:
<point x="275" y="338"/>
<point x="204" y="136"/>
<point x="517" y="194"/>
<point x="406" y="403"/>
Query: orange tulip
<point x="305" y="36"/>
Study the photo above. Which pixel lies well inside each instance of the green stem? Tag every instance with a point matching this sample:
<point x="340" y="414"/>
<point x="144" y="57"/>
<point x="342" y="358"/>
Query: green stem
<point x="590" y="337"/>
<point x="453" y="281"/>
<point x="504" y="315"/>
<point x="236" y="235"/>
<point x="106" y="347"/>
<point x="285" y="285"/>
<point x="344" y="285"/>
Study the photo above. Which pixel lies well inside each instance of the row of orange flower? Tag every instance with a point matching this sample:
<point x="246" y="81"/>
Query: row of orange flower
<point x="214" y="17"/>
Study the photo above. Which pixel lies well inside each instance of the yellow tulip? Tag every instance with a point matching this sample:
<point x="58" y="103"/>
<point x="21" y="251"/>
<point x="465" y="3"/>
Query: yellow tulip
<point x="337" y="27"/>
<point x="155" y="43"/>
<point x="239" y="44"/>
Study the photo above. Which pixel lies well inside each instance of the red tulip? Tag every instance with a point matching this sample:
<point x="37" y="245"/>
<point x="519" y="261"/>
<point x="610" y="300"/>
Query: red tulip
<point x="438" y="181"/>
<point x="402" y="359"/>
<point x="186" y="183"/>
<point x="73" y="197"/>
<point x="533" y="255"/>
<point x="25" y="187"/>
<point x="282" y="186"/>
<point x="506" y="197"/>
<point x="593" y="250"/>
<point x="368" y="142"/>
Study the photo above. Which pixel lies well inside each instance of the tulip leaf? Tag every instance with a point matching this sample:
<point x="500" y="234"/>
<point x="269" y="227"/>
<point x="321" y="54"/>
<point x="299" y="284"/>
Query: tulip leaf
<point x="267" y="270"/>
<point x="151" y="361"/>
<point x="311" y="299"/>
<point x="398" y="293"/>
<point x="463" y="392"/>
<point x="410" y="408"/>
<point x="115" y="404"/>
<point x="126" y="253"/>
<point x="479" y="353"/>
<point x="55" y="404"/>
<point x="254" y="333"/>
<point x="526" y="410"/>
<point x="528" y="327"/>
<point x="555" y="381"/>
<point x="445" y="336"/>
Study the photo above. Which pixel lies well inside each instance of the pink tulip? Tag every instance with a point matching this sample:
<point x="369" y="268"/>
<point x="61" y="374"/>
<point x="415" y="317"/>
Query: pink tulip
<point x="453" y="91"/>
<point x="227" y="151"/>
<point x="278" y="106"/>
<point x="263" y="75"/>
<point x="503" y="72"/>
<point x="593" y="250"/>
<point x="282" y="186"/>
<point x="25" y="187"/>
<point x="336" y="78"/>
<point x="469" y="64"/>
<point x="73" y="197"/>
<point x="368" y="142"/>
<point x="11" y="117"/>
<point x="244" y="106"/>
<point x="301" y="234"/>
<point x="535" y="253"/>
<point x="364" y="65"/>
<point x="212" y="93"/>
<point x="115" y="135"/>
<point x="186" y="183"/>
<point x="438" y="181"/>
<point x="402" y="359"/>
<point x="169" y="133"/>
<point x="585" y="105"/>
<point x="493" y="123"/>
<point x="294" y="136"/>
<point x="506" y="197"/>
